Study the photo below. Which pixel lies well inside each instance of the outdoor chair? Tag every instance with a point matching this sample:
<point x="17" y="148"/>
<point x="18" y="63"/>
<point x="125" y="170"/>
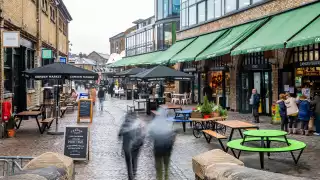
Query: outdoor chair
<point x="175" y="100"/>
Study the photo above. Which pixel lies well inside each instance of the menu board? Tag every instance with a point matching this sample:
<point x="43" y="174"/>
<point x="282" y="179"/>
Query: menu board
<point x="85" y="109"/>
<point x="76" y="143"/>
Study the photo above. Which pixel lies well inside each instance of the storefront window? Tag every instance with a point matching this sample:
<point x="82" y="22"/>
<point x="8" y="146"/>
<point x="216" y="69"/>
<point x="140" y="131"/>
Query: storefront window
<point x="30" y="65"/>
<point x="165" y="8"/>
<point x="167" y="35"/>
<point x="175" y="7"/>
<point x="160" y="34"/>
<point x="255" y="1"/>
<point x="210" y="9"/>
<point x="201" y="12"/>
<point x="231" y="5"/>
<point x="8" y="70"/>
<point x="244" y="3"/>
<point x="160" y="9"/>
<point x="217" y="8"/>
<point x="192" y="15"/>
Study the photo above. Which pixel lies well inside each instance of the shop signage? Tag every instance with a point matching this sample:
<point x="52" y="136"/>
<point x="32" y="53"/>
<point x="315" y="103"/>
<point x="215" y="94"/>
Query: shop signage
<point x="48" y="77"/>
<point x="76" y="143"/>
<point x="254" y="50"/>
<point x="218" y="68"/>
<point x="11" y="39"/>
<point x="189" y="70"/>
<point x="308" y="64"/>
<point x="255" y="66"/>
<point x="47" y="54"/>
<point x="63" y="59"/>
<point x="85" y="109"/>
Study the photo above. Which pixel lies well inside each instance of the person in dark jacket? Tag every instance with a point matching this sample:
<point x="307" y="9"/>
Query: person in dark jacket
<point x="132" y="140"/>
<point x="110" y="91"/>
<point x="304" y="114"/>
<point x="207" y="91"/>
<point x="255" y="102"/>
<point x="283" y="112"/>
<point x="101" y="95"/>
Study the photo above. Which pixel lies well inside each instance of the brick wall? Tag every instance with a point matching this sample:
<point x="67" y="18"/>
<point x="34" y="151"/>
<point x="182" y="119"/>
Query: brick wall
<point x="272" y="7"/>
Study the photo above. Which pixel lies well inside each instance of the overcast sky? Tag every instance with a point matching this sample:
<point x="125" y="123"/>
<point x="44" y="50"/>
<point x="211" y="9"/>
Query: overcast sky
<point x="95" y="21"/>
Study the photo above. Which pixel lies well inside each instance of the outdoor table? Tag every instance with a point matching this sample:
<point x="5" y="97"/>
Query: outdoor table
<point x="200" y="124"/>
<point x="139" y="101"/>
<point x="173" y="107"/>
<point x="236" y="124"/>
<point x="32" y="114"/>
<point x="267" y="136"/>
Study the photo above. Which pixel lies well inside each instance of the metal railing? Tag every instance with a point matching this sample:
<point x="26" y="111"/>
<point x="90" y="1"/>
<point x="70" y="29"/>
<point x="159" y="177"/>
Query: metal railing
<point x="9" y="165"/>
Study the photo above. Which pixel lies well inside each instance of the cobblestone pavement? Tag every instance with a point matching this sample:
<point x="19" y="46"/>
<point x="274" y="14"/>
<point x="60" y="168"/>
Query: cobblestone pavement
<point x="105" y="150"/>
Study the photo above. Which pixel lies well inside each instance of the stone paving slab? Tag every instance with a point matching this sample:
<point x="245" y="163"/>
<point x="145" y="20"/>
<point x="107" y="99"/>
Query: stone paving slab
<point x="107" y="161"/>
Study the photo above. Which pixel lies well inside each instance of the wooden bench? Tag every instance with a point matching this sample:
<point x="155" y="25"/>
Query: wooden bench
<point x="208" y="134"/>
<point x="63" y="110"/>
<point x="249" y="129"/>
<point x="130" y="108"/>
<point x="46" y="123"/>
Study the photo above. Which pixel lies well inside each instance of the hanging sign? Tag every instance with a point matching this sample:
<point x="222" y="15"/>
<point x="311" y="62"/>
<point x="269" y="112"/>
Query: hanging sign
<point x="76" y="143"/>
<point x="47" y="54"/>
<point x="85" y="109"/>
<point x="308" y="64"/>
<point x="11" y="39"/>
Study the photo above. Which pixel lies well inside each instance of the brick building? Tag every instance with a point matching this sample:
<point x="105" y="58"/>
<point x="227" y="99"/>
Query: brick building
<point x="233" y="76"/>
<point x="43" y="24"/>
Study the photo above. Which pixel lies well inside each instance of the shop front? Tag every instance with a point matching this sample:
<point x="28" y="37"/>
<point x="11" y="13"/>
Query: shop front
<point x="255" y="73"/>
<point x="219" y="80"/>
<point x="301" y="75"/>
<point x="191" y="86"/>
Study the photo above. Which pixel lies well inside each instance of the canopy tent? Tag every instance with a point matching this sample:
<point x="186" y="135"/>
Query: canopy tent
<point x="129" y="72"/>
<point x="60" y="71"/>
<point x="309" y="35"/>
<point x="196" y="47"/>
<point x="230" y="39"/>
<point x="276" y="32"/>
<point x="165" y="56"/>
<point x="160" y="73"/>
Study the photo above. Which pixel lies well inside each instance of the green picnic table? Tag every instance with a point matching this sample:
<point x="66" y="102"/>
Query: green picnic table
<point x="266" y="137"/>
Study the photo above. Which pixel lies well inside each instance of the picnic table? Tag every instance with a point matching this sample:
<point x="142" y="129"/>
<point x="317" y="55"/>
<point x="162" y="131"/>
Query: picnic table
<point x="46" y="123"/>
<point x="183" y="117"/>
<point x="171" y="107"/>
<point x="237" y="125"/>
<point x="266" y="137"/>
<point x="200" y="124"/>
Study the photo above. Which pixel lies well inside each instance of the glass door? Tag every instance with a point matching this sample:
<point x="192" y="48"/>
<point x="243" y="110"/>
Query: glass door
<point x="245" y="93"/>
<point x="266" y="96"/>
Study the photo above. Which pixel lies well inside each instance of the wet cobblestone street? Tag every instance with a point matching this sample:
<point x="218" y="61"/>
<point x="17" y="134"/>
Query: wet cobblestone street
<point x="107" y="163"/>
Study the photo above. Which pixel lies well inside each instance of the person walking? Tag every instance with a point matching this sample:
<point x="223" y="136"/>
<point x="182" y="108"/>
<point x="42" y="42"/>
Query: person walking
<point x="316" y="103"/>
<point x="304" y="114"/>
<point x="207" y="91"/>
<point x="101" y="96"/>
<point x="255" y="102"/>
<point x="110" y="90"/>
<point x="132" y="141"/>
<point x="292" y="112"/>
<point x="163" y="140"/>
<point x="283" y="112"/>
<point x="93" y="95"/>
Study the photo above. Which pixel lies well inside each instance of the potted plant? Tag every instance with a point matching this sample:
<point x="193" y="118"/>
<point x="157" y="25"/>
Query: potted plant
<point x="10" y="127"/>
<point x="216" y="110"/>
<point x="196" y="112"/>
<point x="206" y="108"/>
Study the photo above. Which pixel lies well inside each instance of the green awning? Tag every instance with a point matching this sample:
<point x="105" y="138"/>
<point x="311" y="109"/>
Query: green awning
<point x="310" y="35"/>
<point x="120" y="62"/>
<point x="196" y="47"/>
<point x="278" y="30"/>
<point x="173" y="50"/>
<point x="230" y="39"/>
<point x="145" y="59"/>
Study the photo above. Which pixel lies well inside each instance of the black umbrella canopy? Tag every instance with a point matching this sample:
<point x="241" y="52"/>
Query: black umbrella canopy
<point x="129" y="72"/>
<point x="59" y="70"/>
<point x="159" y="73"/>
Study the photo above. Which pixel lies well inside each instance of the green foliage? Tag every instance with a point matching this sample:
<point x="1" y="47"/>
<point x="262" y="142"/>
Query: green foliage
<point x="219" y="109"/>
<point x="206" y="108"/>
<point x="11" y="123"/>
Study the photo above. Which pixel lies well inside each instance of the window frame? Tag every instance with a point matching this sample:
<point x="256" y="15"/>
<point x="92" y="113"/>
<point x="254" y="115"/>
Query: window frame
<point x="30" y="64"/>
<point x="52" y="14"/>
<point x="186" y="5"/>
<point x="44" y="6"/>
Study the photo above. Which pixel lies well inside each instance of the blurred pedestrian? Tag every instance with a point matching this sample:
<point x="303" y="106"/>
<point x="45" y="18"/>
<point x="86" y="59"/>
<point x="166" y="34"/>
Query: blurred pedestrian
<point x="163" y="140"/>
<point x="132" y="140"/>
<point x="292" y="112"/>
<point x="255" y="102"/>
<point x="93" y="95"/>
<point x="283" y="112"/>
<point x="101" y="96"/>
<point x="110" y="90"/>
<point x="316" y="103"/>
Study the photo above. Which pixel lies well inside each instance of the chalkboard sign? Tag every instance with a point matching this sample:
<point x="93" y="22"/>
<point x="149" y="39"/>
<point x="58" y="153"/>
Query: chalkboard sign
<point x="85" y="109"/>
<point x="76" y="143"/>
